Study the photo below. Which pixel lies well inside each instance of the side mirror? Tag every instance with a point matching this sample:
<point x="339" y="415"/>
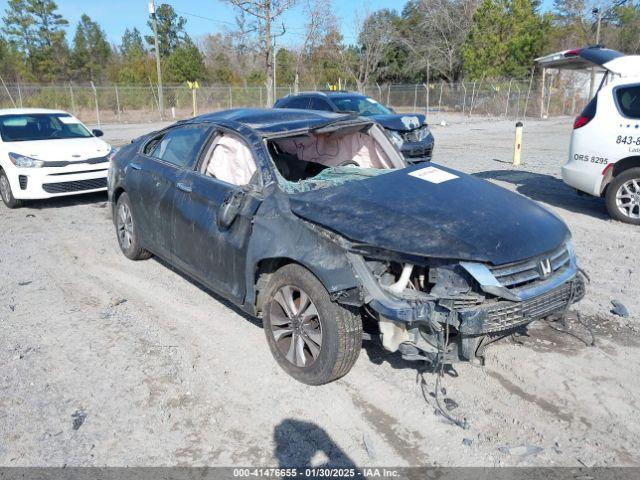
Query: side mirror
<point x="230" y="209"/>
<point x="97" y="133"/>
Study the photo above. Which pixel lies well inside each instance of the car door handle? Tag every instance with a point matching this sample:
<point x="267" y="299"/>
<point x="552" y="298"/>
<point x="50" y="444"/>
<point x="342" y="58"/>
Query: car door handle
<point x="185" y="187"/>
<point x="135" y="166"/>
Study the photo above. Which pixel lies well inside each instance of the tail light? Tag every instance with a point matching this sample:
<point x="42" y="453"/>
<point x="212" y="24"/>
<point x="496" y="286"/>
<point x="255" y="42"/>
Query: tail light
<point x="587" y="114"/>
<point x="580" y="121"/>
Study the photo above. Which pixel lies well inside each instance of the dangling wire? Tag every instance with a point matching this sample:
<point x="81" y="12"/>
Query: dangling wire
<point x="443" y="342"/>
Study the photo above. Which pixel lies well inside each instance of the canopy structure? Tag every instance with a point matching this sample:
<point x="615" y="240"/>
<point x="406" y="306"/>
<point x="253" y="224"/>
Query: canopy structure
<point x="586" y="59"/>
<point x="574" y="60"/>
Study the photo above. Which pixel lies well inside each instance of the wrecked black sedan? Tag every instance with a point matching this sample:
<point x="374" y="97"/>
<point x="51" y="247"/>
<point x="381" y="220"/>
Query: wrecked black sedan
<point x="314" y="222"/>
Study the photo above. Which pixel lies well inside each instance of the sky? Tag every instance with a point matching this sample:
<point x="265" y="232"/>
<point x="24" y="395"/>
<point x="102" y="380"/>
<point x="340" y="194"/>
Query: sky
<point x="203" y="16"/>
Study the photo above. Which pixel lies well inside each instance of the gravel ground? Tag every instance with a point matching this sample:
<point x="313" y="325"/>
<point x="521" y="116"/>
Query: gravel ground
<point x="111" y="362"/>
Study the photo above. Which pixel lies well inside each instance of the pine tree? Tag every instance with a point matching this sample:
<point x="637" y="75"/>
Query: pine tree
<point x="132" y="46"/>
<point x="91" y="51"/>
<point x="505" y="37"/>
<point x="37" y="31"/>
<point x="171" y="33"/>
<point x="185" y="64"/>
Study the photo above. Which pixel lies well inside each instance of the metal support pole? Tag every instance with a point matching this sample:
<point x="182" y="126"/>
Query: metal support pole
<point x="152" y="13"/>
<point x="415" y="98"/>
<point x="73" y="100"/>
<point x="506" y="109"/>
<point x="95" y="96"/>
<point x="426" y="113"/>
<point x="440" y="98"/>
<point x="20" y="95"/>
<point x="476" y="93"/>
<point x="8" y="93"/>
<point x="542" y="88"/>
<point x="118" y="103"/>
<point x="549" y="96"/>
<point x="526" y="104"/>
<point x="592" y="84"/>
<point x="275" y="68"/>
<point x="473" y="94"/>
<point x="464" y="97"/>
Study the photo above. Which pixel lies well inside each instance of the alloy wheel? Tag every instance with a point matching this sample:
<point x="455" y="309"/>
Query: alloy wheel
<point x="628" y="198"/>
<point x="5" y="189"/>
<point x="125" y="226"/>
<point x="296" y="326"/>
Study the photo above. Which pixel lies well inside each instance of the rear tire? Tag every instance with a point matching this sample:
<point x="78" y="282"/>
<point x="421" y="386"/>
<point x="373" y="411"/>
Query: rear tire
<point x="127" y="231"/>
<point x="6" y="193"/>
<point x="623" y="197"/>
<point x="313" y="339"/>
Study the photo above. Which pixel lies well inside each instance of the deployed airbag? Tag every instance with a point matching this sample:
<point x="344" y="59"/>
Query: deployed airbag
<point x="332" y="151"/>
<point x="231" y="161"/>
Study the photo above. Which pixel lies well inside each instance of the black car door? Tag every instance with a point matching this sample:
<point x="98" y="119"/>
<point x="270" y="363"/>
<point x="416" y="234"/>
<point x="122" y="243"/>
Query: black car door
<point x="213" y="221"/>
<point x="152" y="179"/>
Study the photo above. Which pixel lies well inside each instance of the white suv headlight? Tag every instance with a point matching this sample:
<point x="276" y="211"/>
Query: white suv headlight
<point x="22" y="161"/>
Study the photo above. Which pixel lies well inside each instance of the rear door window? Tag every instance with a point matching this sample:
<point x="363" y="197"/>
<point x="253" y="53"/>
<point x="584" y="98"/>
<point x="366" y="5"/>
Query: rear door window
<point x="628" y="100"/>
<point x="319" y="104"/>
<point x="297" y="102"/>
<point x="180" y="146"/>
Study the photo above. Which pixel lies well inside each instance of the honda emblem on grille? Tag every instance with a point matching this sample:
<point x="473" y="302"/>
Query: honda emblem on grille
<point x="544" y="267"/>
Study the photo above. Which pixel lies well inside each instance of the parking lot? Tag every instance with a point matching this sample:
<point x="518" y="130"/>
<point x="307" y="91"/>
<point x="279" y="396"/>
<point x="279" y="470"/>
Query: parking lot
<point x="111" y="362"/>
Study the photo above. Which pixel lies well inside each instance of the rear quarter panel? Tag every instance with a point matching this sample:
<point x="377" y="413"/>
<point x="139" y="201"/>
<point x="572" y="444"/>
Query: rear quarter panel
<point x="607" y="138"/>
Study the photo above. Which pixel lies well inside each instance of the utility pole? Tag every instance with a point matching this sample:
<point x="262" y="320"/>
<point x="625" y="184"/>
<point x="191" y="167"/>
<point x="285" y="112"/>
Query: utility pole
<point x="152" y="14"/>
<point x="592" y="84"/>
<point x="275" y="67"/>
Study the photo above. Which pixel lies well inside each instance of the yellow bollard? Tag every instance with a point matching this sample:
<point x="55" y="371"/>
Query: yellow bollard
<point x="517" y="147"/>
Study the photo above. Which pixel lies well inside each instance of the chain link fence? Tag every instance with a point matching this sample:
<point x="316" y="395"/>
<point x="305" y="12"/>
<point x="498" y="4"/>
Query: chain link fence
<point x="512" y="99"/>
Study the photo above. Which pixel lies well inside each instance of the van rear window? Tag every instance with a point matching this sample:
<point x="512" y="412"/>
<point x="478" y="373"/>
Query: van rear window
<point x="628" y="100"/>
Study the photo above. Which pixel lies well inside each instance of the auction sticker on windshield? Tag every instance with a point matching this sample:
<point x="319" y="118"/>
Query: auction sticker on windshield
<point x="433" y="175"/>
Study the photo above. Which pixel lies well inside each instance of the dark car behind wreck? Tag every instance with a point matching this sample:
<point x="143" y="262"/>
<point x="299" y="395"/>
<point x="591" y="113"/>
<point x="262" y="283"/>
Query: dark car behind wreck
<point x="409" y="132"/>
<point x="314" y="222"/>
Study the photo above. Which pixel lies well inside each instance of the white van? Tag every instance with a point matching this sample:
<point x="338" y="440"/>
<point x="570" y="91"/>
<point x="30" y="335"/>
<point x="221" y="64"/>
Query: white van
<point x="604" y="156"/>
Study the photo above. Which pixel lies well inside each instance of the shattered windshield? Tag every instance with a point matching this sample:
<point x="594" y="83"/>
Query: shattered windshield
<point x="362" y="105"/>
<point x="325" y="158"/>
<point x="330" y="177"/>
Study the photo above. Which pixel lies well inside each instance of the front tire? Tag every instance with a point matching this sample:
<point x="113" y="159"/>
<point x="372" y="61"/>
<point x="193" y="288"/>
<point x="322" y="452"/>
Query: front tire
<point x="313" y="339"/>
<point x="5" y="192"/>
<point x="127" y="231"/>
<point x="623" y="197"/>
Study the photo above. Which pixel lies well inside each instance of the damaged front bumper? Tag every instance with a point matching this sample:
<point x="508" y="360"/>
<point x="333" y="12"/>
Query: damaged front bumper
<point x="507" y="314"/>
<point x="487" y="315"/>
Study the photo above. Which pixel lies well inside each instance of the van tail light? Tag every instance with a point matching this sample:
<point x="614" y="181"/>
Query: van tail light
<point x="587" y="114"/>
<point x="581" y="121"/>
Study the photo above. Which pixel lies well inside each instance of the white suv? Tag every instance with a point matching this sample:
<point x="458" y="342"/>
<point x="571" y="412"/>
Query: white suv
<point x="49" y="153"/>
<point x="604" y="157"/>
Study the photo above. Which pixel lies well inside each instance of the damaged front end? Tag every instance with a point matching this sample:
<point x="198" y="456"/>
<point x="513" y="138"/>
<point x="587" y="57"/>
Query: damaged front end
<point x="417" y="302"/>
